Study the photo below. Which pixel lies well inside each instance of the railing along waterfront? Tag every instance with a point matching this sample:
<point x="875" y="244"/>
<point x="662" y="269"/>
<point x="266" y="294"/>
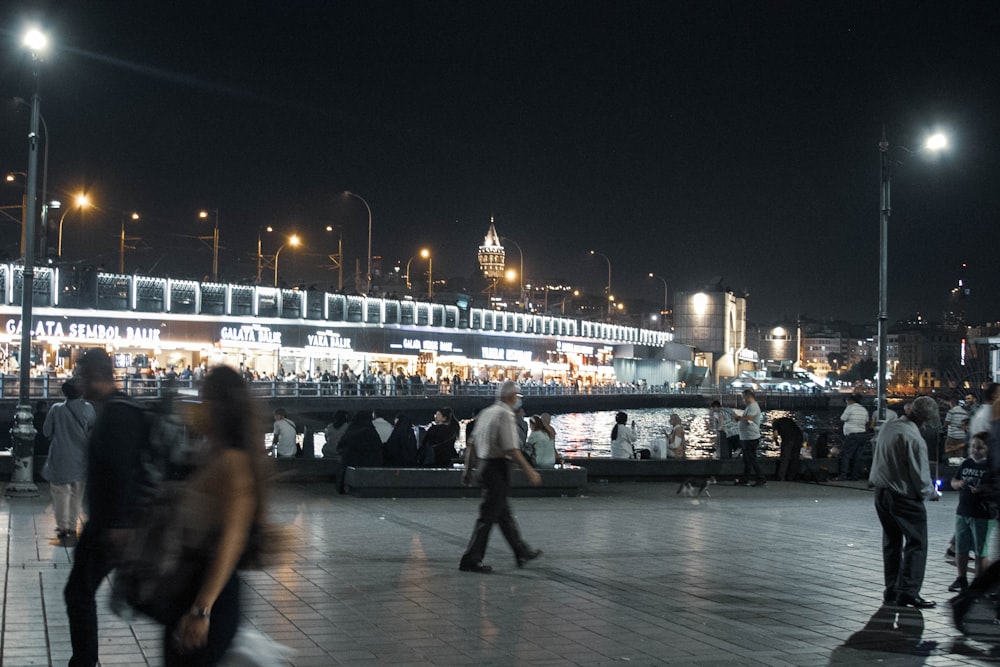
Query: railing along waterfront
<point x="49" y="388"/>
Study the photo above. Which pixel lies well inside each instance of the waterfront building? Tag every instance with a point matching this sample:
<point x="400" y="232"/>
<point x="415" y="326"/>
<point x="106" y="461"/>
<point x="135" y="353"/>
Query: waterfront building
<point x="148" y="322"/>
<point x="713" y="322"/>
<point x="924" y="355"/>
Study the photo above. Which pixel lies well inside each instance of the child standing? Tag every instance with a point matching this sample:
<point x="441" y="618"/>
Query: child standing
<point x="972" y="516"/>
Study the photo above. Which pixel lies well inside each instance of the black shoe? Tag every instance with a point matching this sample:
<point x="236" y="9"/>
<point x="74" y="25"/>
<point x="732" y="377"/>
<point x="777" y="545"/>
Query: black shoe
<point x="759" y="482"/>
<point x="915" y="601"/>
<point x="741" y="482"/>
<point x="478" y="568"/>
<point x="959" y="586"/>
<point x="528" y="555"/>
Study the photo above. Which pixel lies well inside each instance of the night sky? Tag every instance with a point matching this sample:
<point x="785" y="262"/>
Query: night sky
<point x="698" y="140"/>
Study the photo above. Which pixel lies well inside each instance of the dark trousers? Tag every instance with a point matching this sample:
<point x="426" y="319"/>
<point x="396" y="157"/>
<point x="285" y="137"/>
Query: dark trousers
<point x="221" y="630"/>
<point x="727" y="445"/>
<point x="750" y="463"/>
<point x="904" y="541"/>
<point x="92" y="561"/>
<point x="495" y="480"/>
<point x="850" y="455"/>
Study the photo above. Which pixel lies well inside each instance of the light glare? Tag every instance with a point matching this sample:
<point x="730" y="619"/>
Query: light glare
<point x="936" y="142"/>
<point x="35" y="40"/>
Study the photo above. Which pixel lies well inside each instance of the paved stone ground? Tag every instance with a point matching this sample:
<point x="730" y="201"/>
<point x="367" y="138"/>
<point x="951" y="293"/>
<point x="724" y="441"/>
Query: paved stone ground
<point x="632" y="573"/>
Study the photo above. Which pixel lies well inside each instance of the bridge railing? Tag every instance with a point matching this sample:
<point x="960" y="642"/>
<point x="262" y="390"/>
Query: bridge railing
<point x="49" y="387"/>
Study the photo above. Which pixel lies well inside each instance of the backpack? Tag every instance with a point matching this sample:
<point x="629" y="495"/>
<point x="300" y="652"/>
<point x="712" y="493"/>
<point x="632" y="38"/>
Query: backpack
<point x="168" y="452"/>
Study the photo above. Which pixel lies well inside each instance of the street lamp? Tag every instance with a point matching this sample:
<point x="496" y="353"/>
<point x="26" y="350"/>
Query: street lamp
<point x="368" y="283"/>
<point x="22" y="483"/>
<point x="215" y="242"/>
<point x="260" y="255"/>
<point x="664" y="280"/>
<point x="935" y="142"/>
<point x="426" y="254"/>
<point x="601" y="254"/>
<point x="81" y="201"/>
<point x="293" y="240"/>
<point x="121" y="251"/>
<point x="338" y="259"/>
<point x="520" y="273"/>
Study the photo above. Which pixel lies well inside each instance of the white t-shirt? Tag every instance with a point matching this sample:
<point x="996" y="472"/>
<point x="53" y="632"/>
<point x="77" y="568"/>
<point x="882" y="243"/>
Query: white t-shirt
<point x="750" y="430"/>
<point x="855" y="419"/>
<point x="623" y="446"/>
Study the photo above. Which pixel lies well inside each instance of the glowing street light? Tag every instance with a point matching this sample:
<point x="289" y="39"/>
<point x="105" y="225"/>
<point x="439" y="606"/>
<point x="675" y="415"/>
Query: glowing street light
<point x="293" y="241"/>
<point x="81" y="202"/>
<point x="520" y="273"/>
<point x="215" y="242"/>
<point x="121" y="247"/>
<point x="426" y="254"/>
<point x="934" y="143"/>
<point x="22" y="483"/>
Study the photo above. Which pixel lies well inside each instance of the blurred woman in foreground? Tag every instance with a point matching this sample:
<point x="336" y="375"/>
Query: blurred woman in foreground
<point x="222" y="500"/>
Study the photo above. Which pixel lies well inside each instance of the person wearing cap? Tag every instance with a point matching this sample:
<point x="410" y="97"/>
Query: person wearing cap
<point x="113" y="480"/>
<point x="495" y="444"/>
<point x="902" y="479"/>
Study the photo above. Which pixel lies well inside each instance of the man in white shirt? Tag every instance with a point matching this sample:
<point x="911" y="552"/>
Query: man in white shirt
<point x="957" y="422"/>
<point x="496" y="442"/>
<point x="901" y="476"/>
<point x="855" y="418"/>
<point x="749" y="423"/>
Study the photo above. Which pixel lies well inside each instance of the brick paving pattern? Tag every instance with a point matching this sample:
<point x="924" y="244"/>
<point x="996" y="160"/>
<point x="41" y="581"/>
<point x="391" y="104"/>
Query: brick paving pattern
<point x="632" y="573"/>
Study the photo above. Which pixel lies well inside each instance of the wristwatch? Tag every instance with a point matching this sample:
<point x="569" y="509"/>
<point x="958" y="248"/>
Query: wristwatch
<point x="199" y="612"/>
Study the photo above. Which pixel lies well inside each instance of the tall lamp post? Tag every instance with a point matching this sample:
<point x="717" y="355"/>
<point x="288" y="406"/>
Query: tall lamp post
<point x="664" y="280"/>
<point x="81" y="201"/>
<point x="935" y="142"/>
<point x="215" y="242"/>
<point x="260" y="255"/>
<point x="22" y="482"/>
<point x="121" y="247"/>
<point x="368" y="281"/>
<point x="520" y="273"/>
<point x="608" y="295"/>
<point x="293" y="241"/>
<point x="426" y="254"/>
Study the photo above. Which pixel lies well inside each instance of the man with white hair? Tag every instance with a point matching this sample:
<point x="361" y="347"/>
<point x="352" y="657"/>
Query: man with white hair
<point x="902" y="479"/>
<point x="496" y="442"/>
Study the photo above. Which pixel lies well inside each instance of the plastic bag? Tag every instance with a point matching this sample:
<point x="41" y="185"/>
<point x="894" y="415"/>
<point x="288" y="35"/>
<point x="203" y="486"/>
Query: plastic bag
<point x="252" y="648"/>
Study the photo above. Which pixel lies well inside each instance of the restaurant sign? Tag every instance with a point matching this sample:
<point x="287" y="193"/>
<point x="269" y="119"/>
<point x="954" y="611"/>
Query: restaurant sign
<point x="87" y="331"/>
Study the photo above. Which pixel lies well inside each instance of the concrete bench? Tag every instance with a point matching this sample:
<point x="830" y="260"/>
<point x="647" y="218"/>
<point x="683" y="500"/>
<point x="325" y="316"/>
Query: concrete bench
<point x="648" y="470"/>
<point x="447" y="483"/>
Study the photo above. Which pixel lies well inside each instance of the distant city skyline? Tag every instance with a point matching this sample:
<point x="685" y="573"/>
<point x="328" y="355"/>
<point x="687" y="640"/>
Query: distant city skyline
<point x="698" y="141"/>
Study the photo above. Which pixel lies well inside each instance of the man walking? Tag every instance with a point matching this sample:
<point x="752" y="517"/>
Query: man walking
<point x="496" y="442"/>
<point x="113" y="480"/>
<point x="902" y="479"/>
<point x="749" y="423"/>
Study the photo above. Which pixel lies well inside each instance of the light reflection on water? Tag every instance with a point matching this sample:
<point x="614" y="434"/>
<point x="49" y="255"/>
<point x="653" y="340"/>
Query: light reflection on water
<point x="589" y="433"/>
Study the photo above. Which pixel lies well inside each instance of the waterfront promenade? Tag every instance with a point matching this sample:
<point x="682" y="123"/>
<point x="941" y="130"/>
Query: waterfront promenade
<point x="789" y="574"/>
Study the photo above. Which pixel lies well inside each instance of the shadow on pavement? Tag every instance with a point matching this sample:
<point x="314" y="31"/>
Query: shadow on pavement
<point x="891" y="630"/>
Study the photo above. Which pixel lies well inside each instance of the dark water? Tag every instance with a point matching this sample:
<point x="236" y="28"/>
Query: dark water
<point x="585" y="433"/>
